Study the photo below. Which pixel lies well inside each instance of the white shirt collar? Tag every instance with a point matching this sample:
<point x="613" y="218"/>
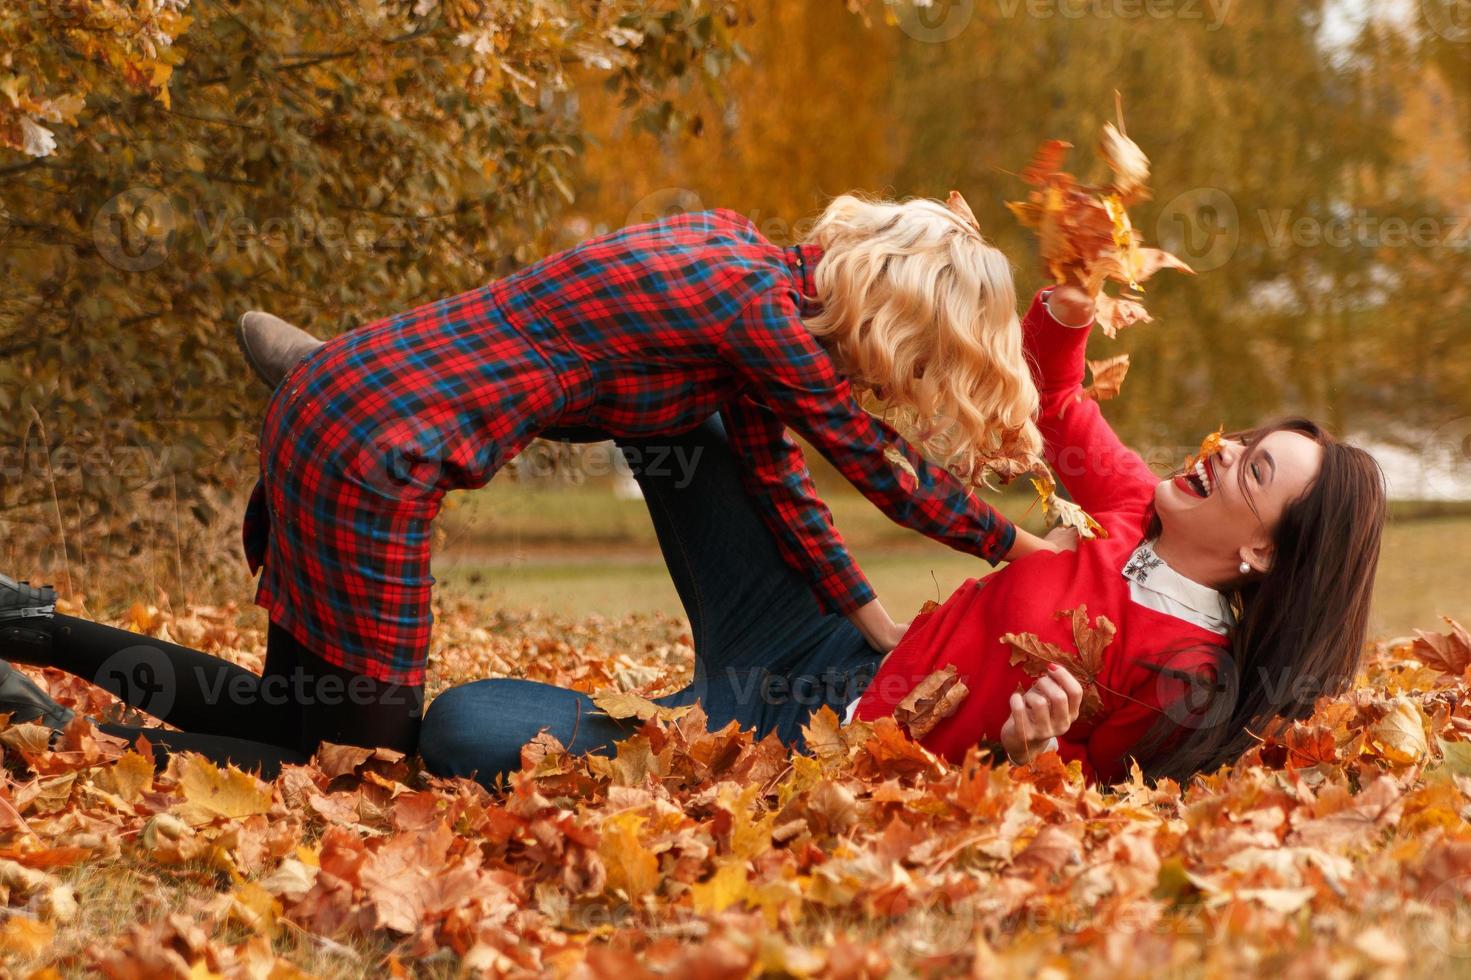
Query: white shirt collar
<point x="1154" y="584"/>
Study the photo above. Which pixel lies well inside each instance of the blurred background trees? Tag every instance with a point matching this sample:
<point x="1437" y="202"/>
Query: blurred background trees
<point x="167" y="166"/>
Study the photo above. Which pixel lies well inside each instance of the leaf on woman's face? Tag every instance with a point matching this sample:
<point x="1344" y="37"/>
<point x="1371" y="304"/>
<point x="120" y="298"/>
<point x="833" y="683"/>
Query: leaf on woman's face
<point x="1209" y="446"/>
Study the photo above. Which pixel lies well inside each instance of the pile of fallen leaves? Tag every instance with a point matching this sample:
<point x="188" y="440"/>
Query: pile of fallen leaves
<point x="1341" y="849"/>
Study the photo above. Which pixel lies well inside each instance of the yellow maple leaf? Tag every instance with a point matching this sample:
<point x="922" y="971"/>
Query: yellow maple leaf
<point x="211" y="792"/>
<point x="1400" y="735"/>
<point x="723" y="889"/>
<point x="1065" y="512"/>
<point x="627" y="704"/>
<point x="632" y="868"/>
<point x="130" y="776"/>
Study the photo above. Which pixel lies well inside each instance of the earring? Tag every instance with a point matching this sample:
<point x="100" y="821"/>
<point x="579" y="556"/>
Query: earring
<point x="1245" y="568"/>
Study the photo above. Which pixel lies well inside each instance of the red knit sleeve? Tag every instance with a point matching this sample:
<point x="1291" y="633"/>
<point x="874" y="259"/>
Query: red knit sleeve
<point x="1175" y="691"/>
<point x="1098" y="470"/>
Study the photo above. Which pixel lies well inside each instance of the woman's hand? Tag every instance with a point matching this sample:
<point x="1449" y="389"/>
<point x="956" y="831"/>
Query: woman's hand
<point x="1071" y="306"/>
<point x="1027" y="543"/>
<point x="881" y="632"/>
<point x="1046" y="710"/>
<point x="1064" y="538"/>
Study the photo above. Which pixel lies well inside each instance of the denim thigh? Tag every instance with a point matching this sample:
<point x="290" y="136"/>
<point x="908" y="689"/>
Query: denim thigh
<point x="477" y="729"/>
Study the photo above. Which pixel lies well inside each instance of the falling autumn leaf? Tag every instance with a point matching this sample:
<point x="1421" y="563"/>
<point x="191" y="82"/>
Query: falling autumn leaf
<point x="957" y="204"/>
<point x="1108" y="377"/>
<point x="1065" y="512"/>
<point x="1129" y="164"/>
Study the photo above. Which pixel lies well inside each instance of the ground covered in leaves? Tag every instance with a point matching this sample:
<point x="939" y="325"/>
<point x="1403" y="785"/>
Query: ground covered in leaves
<point x="1342" y="850"/>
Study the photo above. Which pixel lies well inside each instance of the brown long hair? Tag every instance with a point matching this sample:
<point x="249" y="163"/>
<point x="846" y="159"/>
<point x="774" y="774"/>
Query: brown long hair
<point x="1300" y="628"/>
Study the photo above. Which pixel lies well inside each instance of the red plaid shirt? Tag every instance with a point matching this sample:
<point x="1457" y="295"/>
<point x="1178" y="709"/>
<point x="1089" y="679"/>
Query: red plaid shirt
<point x="647" y="330"/>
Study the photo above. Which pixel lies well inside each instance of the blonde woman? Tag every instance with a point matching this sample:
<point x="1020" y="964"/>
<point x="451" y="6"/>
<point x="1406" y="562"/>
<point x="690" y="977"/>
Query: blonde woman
<point x="639" y="335"/>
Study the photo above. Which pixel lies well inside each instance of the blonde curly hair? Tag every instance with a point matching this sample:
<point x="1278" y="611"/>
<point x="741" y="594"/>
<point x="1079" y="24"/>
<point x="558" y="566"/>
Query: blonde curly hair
<point x="920" y="311"/>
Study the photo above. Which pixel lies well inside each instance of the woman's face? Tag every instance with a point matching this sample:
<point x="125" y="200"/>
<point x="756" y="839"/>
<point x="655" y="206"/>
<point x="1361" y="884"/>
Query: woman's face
<point x="1226" y="509"/>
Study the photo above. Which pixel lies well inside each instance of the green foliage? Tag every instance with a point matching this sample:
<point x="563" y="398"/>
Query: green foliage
<point x="165" y="166"/>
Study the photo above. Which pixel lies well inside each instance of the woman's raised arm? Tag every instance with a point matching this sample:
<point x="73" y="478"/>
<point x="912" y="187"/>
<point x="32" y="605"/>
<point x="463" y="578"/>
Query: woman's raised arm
<point x="1097" y="469"/>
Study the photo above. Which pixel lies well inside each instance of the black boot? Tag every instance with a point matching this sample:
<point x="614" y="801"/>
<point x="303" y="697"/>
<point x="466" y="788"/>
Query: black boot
<point x="27" y="613"/>
<point x="23" y="700"/>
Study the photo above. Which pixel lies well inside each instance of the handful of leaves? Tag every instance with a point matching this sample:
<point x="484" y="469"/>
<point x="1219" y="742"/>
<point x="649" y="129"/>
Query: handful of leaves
<point x="1086" y="237"/>
<point x="1085" y="232"/>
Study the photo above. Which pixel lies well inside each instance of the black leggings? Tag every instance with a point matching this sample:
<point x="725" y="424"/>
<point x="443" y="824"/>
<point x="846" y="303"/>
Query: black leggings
<point x="228" y="713"/>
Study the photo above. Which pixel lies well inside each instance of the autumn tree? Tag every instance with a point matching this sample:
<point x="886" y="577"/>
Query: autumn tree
<point x="167" y="165"/>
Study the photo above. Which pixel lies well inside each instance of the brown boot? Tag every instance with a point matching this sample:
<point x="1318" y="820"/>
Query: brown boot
<point x="272" y="346"/>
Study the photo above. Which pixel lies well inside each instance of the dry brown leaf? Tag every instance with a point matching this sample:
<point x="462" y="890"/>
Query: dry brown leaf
<point x="627" y="704"/>
<point x="932" y="700"/>
<point x="1449" y="652"/>
<point x="1065" y="512"/>
<point x="1108" y="377"/>
<point x="1085" y="663"/>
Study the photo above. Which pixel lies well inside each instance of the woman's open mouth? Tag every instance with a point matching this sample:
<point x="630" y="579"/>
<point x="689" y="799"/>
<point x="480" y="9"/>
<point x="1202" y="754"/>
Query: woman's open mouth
<point x="1198" y="481"/>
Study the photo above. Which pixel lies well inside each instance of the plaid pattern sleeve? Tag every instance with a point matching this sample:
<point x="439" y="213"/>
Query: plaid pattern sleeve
<point x="795" y="378"/>
<point x="776" y="476"/>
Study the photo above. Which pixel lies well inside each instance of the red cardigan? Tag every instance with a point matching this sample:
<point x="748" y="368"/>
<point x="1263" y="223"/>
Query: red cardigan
<point x="1115" y="486"/>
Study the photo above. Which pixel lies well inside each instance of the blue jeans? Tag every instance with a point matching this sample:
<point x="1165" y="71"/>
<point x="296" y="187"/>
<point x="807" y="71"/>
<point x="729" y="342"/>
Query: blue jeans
<point x="766" y="655"/>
